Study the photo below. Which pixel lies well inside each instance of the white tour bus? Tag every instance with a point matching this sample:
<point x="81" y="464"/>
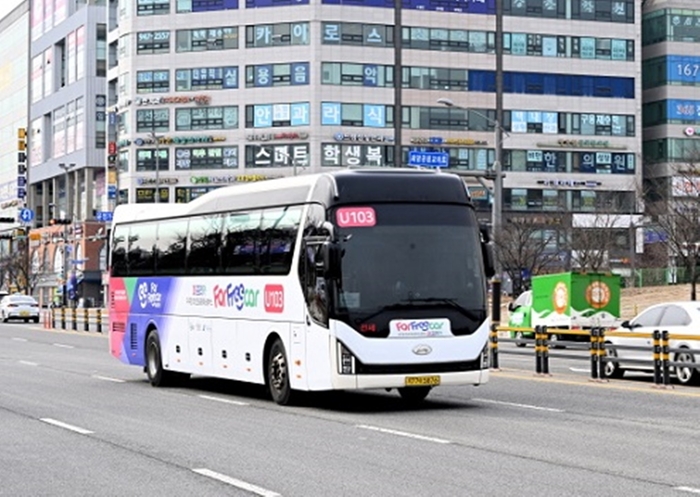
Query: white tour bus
<point x="354" y="279"/>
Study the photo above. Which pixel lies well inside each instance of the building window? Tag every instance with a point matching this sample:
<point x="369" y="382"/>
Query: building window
<point x="369" y="115"/>
<point x="152" y="120"/>
<point x="206" y="78"/>
<point x="275" y="35"/>
<point x="205" y="39"/>
<point x="205" y="118"/>
<point x="152" y="7"/>
<point x="275" y="115"/>
<point x="153" y="81"/>
<point x="206" y="158"/>
<point x="349" y="74"/>
<point x="146" y="159"/>
<point x="266" y="75"/>
<point x="150" y="42"/>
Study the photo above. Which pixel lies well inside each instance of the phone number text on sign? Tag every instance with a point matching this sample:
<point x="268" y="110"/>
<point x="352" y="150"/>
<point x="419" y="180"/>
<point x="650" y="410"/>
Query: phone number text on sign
<point x="356" y="217"/>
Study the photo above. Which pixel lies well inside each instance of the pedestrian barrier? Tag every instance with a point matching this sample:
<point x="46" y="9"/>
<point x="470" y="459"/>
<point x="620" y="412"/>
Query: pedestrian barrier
<point x="75" y="319"/>
<point x="662" y="359"/>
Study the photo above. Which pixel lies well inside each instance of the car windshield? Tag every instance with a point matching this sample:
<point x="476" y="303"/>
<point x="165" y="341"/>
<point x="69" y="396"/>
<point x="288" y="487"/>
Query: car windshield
<point x="413" y="261"/>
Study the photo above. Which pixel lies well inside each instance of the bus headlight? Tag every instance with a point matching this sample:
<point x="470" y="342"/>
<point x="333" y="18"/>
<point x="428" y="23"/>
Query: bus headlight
<point x="346" y="361"/>
<point x="485" y="357"/>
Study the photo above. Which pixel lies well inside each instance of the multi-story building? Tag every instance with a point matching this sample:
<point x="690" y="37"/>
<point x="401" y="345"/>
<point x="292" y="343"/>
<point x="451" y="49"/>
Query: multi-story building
<point x="671" y="70"/>
<point x="217" y="92"/>
<point x="13" y="123"/>
<point x="67" y="137"/>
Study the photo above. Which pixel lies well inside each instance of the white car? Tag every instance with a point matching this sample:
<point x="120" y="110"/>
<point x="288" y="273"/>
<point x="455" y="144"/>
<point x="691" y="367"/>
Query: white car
<point x="19" y="307"/>
<point x="678" y="318"/>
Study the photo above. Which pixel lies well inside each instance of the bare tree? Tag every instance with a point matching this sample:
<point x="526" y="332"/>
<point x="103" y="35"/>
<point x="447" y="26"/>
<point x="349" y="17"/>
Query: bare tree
<point x="526" y="244"/>
<point x="19" y="271"/>
<point x="675" y="209"/>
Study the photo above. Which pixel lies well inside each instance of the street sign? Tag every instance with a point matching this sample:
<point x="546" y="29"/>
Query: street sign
<point x="26" y="215"/>
<point x="104" y="216"/>
<point x="428" y="159"/>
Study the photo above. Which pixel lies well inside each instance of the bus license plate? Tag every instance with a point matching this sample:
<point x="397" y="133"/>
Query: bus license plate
<point x="422" y="381"/>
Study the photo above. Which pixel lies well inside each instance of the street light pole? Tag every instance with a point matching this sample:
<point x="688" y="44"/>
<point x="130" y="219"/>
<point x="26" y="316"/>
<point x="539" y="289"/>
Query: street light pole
<point x="69" y="215"/>
<point x="497" y="205"/>
<point x="156" y="140"/>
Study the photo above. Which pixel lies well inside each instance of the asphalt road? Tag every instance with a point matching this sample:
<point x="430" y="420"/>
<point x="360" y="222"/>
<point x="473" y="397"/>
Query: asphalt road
<point x="75" y="421"/>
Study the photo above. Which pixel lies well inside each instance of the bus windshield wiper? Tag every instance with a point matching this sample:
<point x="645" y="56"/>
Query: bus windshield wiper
<point x="390" y="307"/>
<point x="447" y="301"/>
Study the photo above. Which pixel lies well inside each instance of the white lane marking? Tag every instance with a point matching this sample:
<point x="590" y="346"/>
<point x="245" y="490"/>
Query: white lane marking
<point x="522" y="406"/>
<point x="248" y="487"/>
<point x="66" y="426"/>
<point x="17" y="339"/>
<point x="688" y="489"/>
<point x="63" y="346"/>
<point x="28" y="363"/>
<point x="225" y="401"/>
<point x="404" y="434"/>
<point x="107" y="378"/>
<point x="580" y="370"/>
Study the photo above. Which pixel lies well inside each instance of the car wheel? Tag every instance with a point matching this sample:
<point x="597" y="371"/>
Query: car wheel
<point x="519" y="336"/>
<point x="686" y="374"/>
<point x="278" y="374"/>
<point x="158" y="376"/>
<point x="612" y="368"/>
<point x="414" y="395"/>
<point x="554" y="341"/>
<point x="36" y="319"/>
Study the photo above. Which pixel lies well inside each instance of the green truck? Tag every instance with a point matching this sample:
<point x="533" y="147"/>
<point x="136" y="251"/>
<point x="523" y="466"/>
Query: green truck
<point x="569" y="300"/>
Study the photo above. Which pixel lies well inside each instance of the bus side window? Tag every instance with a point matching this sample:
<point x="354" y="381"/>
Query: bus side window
<point x="118" y="264"/>
<point x="140" y="248"/>
<point x="203" y="243"/>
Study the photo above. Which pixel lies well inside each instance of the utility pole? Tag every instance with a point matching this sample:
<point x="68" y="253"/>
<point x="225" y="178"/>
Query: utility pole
<point x="68" y="217"/>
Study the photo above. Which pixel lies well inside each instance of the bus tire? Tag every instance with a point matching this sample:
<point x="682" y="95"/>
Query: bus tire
<point x="414" y="395"/>
<point x="278" y="374"/>
<point x="158" y="376"/>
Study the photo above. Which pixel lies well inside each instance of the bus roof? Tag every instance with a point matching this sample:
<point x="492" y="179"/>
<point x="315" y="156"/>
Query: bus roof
<point x="340" y="186"/>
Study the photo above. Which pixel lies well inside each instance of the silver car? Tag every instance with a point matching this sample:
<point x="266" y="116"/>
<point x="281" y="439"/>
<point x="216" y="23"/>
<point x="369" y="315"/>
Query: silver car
<point x="19" y="307"/>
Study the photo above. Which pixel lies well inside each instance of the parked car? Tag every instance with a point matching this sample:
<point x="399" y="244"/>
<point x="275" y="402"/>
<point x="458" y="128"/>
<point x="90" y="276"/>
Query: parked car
<point x="19" y="307"/>
<point x="678" y="318"/>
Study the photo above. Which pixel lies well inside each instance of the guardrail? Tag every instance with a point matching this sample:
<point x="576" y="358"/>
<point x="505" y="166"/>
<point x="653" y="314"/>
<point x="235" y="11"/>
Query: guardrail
<point x="67" y="318"/>
<point x="601" y="352"/>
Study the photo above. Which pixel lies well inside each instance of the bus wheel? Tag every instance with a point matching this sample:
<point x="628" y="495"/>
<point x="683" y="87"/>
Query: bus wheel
<point x="158" y="376"/>
<point x="278" y="374"/>
<point x="414" y="395"/>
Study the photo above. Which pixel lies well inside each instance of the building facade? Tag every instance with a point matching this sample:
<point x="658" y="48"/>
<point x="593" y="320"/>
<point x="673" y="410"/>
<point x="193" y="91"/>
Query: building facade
<point x="14" y="49"/>
<point x="220" y="92"/>
<point x="67" y="136"/>
<point x="671" y="92"/>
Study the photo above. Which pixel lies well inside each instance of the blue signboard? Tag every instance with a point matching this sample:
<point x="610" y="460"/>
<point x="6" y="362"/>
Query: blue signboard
<point x="209" y="5"/>
<point x="300" y="73"/>
<point x="374" y="116"/>
<point x="111" y="192"/>
<point x="685" y="69"/>
<point x="26" y="215"/>
<point x="685" y="110"/>
<point x="428" y="159"/>
<point x="330" y="114"/>
<point x="104" y="216"/>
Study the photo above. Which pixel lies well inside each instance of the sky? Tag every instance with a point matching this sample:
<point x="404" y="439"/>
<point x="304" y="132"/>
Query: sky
<point x="7" y="6"/>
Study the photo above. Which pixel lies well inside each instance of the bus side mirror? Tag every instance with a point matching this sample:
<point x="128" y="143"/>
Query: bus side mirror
<point x="487" y="252"/>
<point x="328" y="260"/>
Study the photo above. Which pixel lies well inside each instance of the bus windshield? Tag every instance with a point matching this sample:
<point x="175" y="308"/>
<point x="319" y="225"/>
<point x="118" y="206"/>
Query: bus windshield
<point x="409" y="261"/>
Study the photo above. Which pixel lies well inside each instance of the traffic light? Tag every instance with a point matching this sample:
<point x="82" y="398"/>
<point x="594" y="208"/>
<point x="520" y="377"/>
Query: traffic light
<point x="11" y="220"/>
<point x="59" y="221"/>
<point x="6" y="236"/>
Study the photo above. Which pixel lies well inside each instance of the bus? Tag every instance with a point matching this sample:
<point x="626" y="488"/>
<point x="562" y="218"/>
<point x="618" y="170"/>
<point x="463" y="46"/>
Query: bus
<point x="354" y="279"/>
